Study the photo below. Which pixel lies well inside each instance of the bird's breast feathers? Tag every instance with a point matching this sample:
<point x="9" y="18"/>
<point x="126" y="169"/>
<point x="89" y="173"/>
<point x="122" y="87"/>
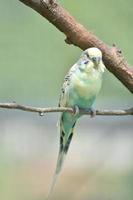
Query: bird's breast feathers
<point x="87" y="86"/>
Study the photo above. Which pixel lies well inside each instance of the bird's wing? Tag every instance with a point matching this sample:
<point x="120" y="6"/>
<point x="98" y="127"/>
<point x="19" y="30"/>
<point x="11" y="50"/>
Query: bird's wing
<point x="65" y="88"/>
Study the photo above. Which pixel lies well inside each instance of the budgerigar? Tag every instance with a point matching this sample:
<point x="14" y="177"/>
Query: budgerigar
<point x="80" y="88"/>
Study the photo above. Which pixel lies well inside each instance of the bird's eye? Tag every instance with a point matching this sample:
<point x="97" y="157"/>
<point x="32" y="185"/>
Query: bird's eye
<point x="86" y="53"/>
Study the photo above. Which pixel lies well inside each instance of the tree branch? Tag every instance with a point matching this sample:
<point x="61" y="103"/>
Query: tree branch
<point x="78" y="35"/>
<point x="41" y="111"/>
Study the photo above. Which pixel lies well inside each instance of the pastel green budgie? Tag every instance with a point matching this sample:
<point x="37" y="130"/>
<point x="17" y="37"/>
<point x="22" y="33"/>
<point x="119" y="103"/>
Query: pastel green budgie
<point x="80" y="88"/>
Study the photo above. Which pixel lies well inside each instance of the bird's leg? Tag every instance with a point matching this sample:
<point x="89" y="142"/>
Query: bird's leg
<point x="76" y="110"/>
<point x="92" y="112"/>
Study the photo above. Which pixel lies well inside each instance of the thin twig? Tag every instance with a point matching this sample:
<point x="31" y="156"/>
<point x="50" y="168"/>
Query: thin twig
<point x="41" y="111"/>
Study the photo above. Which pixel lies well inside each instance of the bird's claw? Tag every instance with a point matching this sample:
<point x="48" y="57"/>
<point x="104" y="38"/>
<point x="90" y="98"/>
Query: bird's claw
<point x="76" y="110"/>
<point x="92" y="112"/>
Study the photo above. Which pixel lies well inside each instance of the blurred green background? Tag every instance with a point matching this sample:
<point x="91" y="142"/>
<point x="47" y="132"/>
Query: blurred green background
<point x="34" y="60"/>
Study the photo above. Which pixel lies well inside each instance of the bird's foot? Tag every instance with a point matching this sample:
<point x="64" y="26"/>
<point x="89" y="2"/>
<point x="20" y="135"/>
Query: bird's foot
<point x="76" y="110"/>
<point x="92" y="112"/>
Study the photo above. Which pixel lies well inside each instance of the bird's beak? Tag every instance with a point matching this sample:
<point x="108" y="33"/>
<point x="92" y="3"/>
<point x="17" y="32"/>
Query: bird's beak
<point x="96" y="60"/>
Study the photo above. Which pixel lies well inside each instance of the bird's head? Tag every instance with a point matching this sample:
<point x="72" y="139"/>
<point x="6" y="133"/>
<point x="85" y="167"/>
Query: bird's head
<point x="94" y="54"/>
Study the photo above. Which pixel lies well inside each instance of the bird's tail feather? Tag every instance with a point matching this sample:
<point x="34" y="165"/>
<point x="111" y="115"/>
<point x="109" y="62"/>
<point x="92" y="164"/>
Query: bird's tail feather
<point x="61" y="158"/>
<point x="60" y="161"/>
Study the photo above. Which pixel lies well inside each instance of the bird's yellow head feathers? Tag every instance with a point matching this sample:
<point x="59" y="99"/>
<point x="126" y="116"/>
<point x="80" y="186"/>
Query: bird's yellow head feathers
<point x="94" y="54"/>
